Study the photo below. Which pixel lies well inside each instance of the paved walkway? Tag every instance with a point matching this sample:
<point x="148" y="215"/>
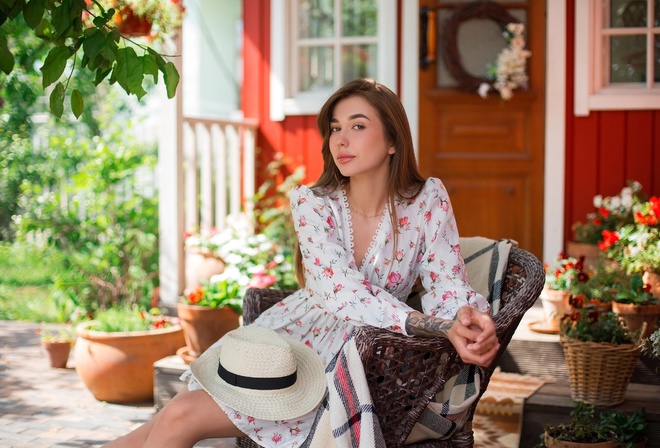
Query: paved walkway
<point x="42" y="407"/>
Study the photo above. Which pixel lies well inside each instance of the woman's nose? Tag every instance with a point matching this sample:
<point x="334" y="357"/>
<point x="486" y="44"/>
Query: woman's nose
<point x="340" y="139"/>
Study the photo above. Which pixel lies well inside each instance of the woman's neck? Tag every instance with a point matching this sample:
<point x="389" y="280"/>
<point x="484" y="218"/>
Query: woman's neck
<point x="367" y="198"/>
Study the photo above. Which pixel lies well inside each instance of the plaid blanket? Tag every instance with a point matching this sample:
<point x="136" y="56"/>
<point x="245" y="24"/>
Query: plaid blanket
<point x="346" y="417"/>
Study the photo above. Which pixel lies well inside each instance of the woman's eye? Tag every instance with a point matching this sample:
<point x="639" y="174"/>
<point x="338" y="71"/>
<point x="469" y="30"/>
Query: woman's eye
<point x="358" y="126"/>
<point x="334" y="128"/>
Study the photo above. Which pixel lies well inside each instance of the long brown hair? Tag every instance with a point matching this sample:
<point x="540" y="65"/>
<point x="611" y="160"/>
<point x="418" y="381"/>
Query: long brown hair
<point x="405" y="181"/>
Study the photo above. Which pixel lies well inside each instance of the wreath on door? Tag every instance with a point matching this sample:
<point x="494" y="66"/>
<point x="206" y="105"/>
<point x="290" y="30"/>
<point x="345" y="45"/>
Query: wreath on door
<point x="512" y="29"/>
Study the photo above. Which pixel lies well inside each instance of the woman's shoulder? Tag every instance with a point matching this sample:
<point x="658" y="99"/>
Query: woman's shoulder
<point x="433" y="188"/>
<point x="317" y="195"/>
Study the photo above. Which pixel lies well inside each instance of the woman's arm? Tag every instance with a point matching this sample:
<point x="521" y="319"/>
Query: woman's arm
<point x="472" y="333"/>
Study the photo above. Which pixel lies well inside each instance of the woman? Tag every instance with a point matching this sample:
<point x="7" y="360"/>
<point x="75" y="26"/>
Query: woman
<point x="368" y="229"/>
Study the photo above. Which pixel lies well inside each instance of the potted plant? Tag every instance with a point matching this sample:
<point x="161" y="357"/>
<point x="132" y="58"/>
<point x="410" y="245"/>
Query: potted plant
<point x="583" y="430"/>
<point x="610" y="213"/>
<point x="635" y="304"/>
<point x="600" y="354"/>
<point x="116" y="350"/>
<point x="557" y="289"/>
<point x="57" y="343"/>
<point x="600" y="287"/>
<point x="252" y="260"/>
<point x="156" y="19"/>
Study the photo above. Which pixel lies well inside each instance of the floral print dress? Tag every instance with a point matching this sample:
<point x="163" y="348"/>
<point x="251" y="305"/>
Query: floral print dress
<point x="338" y="296"/>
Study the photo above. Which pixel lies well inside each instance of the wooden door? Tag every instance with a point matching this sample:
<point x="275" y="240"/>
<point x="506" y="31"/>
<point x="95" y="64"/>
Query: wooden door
<point x="488" y="152"/>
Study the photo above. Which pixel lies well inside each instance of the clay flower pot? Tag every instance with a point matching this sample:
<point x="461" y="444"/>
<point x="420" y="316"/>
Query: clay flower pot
<point x="635" y="315"/>
<point x="203" y="326"/>
<point x="118" y="366"/>
<point x="58" y="353"/>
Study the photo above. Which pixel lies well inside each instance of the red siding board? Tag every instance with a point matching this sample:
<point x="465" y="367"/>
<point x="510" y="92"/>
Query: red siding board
<point x="611" y="154"/>
<point x="655" y="156"/>
<point x="584" y="155"/>
<point x="639" y="148"/>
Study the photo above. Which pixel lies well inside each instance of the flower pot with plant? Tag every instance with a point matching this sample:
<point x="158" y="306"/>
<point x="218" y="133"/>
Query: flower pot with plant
<point x="557" y="289"/>
<point x="636" y="306"/>
<point x="610" y="213"/>
<point x="116" y="351"/>
<point x="586" y="430"/>
<point x="57" y="342"/>
<point x="583" y="431"/>
<point x="600" y="354"/>
<point x="155" y="19"/>
<point x="600" y="287"/>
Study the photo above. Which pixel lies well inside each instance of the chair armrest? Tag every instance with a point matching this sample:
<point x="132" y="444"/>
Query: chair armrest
<point x="258" y="300"/>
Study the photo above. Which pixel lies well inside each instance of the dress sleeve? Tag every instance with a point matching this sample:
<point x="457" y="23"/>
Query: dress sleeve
<point x="441" y="265"/>
<point x="330" y="272"/>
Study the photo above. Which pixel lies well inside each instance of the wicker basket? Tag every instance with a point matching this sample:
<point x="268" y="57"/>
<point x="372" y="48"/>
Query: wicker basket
<point x="599" y="372"/>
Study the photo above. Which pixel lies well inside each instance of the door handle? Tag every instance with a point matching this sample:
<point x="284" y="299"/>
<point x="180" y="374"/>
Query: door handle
<point x="427" y="38"/>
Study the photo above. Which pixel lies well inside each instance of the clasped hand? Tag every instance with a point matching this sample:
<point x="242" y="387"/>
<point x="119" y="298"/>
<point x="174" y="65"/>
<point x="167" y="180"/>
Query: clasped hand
<point x="473" y="336"/>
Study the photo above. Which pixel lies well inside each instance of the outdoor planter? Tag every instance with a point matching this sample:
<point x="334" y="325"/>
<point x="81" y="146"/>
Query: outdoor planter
<point x="58" y="353"/>
<point x="203" y="325"/>
<point x="118" y="366"/>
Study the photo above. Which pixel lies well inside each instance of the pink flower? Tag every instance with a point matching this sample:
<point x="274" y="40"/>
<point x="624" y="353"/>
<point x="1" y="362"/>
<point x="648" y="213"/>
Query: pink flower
<point x="331" y="222"/>
<point x="427" y="217"/>
<point x="338" y="287"/>
<point x="328" y="272"/>
<point x="277" y="437"/>
<point x="394" y="279"/>
<point x="302" y="222"/>
<point x="404" y="222"/>
<point x="434" y="277"/>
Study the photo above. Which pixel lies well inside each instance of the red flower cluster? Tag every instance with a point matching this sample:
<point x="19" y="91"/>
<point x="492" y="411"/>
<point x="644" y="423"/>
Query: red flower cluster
<point x="650" y="214"/>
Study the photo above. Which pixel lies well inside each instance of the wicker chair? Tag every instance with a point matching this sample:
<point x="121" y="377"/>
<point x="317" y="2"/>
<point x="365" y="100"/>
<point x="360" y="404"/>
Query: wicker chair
<point x="405" y="373"/>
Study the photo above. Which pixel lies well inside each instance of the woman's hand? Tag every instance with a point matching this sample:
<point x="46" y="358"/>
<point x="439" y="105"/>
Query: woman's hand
<point x="472" y="333"/>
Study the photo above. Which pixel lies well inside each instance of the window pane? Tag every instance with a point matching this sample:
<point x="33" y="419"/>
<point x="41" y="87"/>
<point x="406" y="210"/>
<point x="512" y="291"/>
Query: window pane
<point x="657" y="13"/>
<point x="359" y="17"/>
<point x="316" y="18"/>
<point x="358" y="61"/>
<point x="315" y="68"/>
<point x="628" y="13"/>
<point x="628" y="59"/>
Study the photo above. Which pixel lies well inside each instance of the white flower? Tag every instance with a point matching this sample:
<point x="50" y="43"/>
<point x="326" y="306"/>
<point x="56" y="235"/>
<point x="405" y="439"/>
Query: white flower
<point x="598" y="201"/>
<point x="483" y="90"/>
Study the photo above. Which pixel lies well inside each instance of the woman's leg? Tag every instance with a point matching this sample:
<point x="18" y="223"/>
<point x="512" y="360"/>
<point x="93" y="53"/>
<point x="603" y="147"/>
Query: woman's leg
<point x="189" y="417"/>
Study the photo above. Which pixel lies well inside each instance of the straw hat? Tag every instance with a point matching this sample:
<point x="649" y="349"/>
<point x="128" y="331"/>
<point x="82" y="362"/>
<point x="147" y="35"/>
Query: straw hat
<point x="262" y="374"/>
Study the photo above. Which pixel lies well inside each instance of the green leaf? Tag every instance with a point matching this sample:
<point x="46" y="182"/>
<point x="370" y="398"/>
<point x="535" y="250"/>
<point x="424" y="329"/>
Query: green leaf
<point x="77" y="103"/>
<point x="61" y="19"/>
<point x="129" y="71"/>
<point x="171" y="77"/>
<point x="34" y="12"/>
<point x="6" y="57"/>
<point x="57" y="100"/>
<point x="44" y="29"/>
<point x="150" y="66"/>
<point x="54" y="64"/>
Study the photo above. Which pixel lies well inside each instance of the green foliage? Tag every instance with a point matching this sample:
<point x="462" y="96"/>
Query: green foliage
<point x="95" y="212"/>
<point x="634" y="291"/>
<point x="652" y="345"/>
<point x="586" y="324"/>
<point x="26" y="273"/>
<point x="602" y="283"/>
<point x="80" y="37"/>
<point x="128" y="318"/>
<point x="629" y="428"/>
<point x="217" y="294"/>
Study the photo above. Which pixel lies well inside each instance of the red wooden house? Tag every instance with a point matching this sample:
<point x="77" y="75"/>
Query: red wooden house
<point x="524" y="168"/>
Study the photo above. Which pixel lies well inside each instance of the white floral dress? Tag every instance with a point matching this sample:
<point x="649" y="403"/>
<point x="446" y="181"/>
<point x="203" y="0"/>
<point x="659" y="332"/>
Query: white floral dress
<point x="338" y="296"/>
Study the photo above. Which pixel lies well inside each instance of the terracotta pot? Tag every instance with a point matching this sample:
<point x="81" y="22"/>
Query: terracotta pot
<point x="591" y="253"/>
<point x="653" y="279"/>
<point x="118" y="367"/>
<point x="555" y="305"/>
<point x="131" y="25"/>
<point x="58" y="353"/>
<point x="203" y="326"/>
<point x="556" y="443"/>
<point x="201" y="266"/>
<point x="635" y="315"/>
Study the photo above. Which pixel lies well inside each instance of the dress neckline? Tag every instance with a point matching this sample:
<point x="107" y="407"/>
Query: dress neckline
<point x="349" y="225"/>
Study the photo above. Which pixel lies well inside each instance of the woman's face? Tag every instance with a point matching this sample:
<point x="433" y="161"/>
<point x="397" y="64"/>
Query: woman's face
<point x="357" y="139"/>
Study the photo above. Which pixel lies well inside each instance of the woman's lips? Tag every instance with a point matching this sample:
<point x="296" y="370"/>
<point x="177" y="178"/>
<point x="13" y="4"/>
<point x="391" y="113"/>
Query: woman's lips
<point x="344" y="158"/>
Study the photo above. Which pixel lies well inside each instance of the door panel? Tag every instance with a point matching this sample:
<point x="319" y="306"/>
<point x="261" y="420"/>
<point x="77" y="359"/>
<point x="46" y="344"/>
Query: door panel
<point x="488" y="152"/>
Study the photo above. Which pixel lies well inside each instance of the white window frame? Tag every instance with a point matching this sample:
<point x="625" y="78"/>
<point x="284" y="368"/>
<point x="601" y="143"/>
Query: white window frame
<point x="309" y="103"/>
<point x="591" y="91"/>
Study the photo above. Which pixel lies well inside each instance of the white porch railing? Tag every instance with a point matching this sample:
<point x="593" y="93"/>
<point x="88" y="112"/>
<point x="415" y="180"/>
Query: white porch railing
<point x="218" y="170"/>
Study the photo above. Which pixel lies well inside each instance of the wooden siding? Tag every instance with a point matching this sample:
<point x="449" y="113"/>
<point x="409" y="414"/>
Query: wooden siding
<point x="296" y="136"/>
<point x="605" y="149"/>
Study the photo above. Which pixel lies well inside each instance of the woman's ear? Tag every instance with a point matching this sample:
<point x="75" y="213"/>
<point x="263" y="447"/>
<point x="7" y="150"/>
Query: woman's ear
<point x="392" y="150"/>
